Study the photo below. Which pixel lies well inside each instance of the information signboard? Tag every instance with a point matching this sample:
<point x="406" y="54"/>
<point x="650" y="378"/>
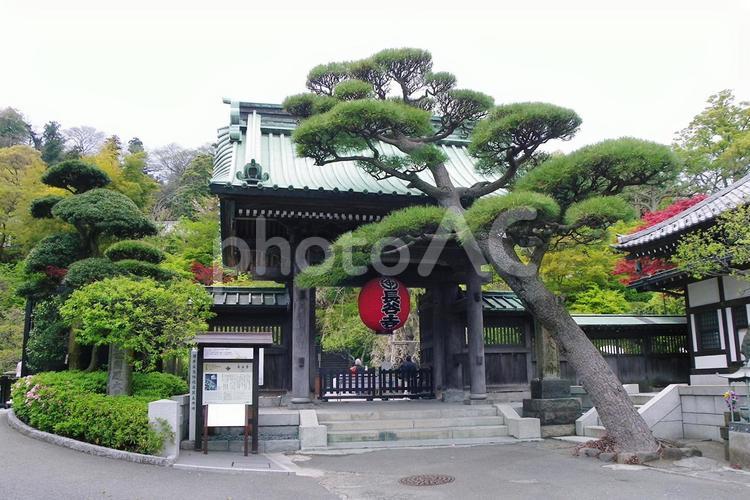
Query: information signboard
<point x="228" y="382"/>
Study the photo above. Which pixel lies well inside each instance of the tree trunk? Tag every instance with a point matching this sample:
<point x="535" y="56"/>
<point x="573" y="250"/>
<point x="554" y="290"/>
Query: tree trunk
<point x="616" y="411"/>
<point x="74" y="352"/>
<point x="120" y="376"/>
<point x="93" y="362"/>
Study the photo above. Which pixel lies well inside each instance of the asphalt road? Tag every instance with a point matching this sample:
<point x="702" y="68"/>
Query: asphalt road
<point x="31" y="469"/>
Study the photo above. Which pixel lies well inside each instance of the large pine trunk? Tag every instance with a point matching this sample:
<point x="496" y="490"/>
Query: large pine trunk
<point x="616" y="411"/>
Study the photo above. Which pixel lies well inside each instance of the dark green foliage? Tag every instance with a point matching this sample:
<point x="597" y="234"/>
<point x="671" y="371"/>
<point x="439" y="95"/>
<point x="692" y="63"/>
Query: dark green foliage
<point x="75" y="176"/>
<point x="322" y="79"/>
<point x="306" y="105"/>
<point x="47" y="339"/>
<point x="144" y="270"/>
<point x="350" y="90"/>
<point x="41" y="208"/>
<point x="511" y="129"/>
<point x="156" y="385"/>
<point x="58" y="250"/>
<point x="53" y="147"/>
<point x="135" y="145"/>
<point x="136" y="250"/>
<point x="407" y="66"/>
<point x="343" y="129"/>
<point x="38" y="286"/>
<point x="371" y="72"/>
<point x="83" y="272"/>
<point x="459" y="106"/>
<point x="13" y="128"/>
<point x="602" y="169"/>
<point x="104" y="212"/>
<point x="440" y="82"/>
<point x="483" y="212"/>
<point x="599" y="211"/>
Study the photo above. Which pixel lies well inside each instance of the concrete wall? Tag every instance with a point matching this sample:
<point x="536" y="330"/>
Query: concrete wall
<point x="703" y="410"/>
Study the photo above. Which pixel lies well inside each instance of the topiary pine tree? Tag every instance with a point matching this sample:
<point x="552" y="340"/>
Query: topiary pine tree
<point x="391" y="97"/>
<point x="96" y="213"/>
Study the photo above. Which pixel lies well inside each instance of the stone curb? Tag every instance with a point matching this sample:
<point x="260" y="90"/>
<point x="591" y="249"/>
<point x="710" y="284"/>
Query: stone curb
<point x="91" y="449"/>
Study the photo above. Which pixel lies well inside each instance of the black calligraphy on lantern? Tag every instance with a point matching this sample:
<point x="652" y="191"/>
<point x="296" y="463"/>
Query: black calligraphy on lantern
<point x="391" y="304"/>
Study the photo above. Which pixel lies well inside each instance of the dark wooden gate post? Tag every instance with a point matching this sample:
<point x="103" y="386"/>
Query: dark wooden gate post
<point x="301" y="305"/>
<point x="455" y="335"/>
<point x="475" y="327"/>
<point x="438" y="339"/>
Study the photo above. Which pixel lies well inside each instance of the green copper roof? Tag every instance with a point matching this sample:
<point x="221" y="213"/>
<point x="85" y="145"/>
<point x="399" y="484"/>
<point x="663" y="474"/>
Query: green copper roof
<point x="261" y="132"/>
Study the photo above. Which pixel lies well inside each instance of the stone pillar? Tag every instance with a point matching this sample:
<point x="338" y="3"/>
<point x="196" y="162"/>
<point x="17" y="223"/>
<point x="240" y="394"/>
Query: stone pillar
<point x="438" y="340"/>
<point x="167" y="412"/>
<point x="455" y="338"/>
<point x="547" y="355"/>
<point x="301" y="306"/>
<point x="475" y="331"/>
<point x="120" y="374"/>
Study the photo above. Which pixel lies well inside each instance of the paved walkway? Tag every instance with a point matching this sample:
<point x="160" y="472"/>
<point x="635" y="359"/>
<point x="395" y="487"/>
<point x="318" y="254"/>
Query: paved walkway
<point x="31" y="469"/>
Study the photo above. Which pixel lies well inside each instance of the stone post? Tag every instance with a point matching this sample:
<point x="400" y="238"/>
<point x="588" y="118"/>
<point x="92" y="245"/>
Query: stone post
<point x="120" y="376"/>
<point x="475" y="331"/>
<point x="301" y="306"/>
<point x="164" y="414"/>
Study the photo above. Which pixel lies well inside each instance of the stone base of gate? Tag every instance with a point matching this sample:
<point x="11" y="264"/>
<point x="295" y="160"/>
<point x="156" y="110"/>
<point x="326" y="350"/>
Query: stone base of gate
<point x="557" y="411"/>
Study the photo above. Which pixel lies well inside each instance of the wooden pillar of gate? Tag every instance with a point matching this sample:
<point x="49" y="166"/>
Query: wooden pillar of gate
<point x="438" y="340"/>
<point x="455" y="338"/>
<point x="303" y="300"/>
<point x="475" y="333"/>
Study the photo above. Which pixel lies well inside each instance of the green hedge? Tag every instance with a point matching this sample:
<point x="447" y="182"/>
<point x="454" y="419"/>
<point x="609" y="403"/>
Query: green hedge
<point x="73" y="404"/>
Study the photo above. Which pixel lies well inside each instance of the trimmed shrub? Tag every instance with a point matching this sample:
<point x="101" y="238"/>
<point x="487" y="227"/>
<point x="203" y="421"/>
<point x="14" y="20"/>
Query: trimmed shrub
<point x="134" y="250"/>
<point x="83" y="272"/>
<point x="75" y="176"/>
<point x="72" y="404"/>
<point x="58" y="250"/>
<point x="144" y="270"/>
<point x="41" y="208"/>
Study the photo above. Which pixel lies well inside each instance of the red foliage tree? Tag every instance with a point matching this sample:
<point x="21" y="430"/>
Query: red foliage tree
<point x="632" y="270"/>
<point x="207" y="275"/>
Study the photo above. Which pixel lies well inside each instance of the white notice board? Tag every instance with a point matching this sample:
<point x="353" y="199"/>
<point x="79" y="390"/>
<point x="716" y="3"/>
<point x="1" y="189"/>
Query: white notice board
<point x="228" y="382"/>
<point x="226" y="415"/>
<point x="235" y="353"/>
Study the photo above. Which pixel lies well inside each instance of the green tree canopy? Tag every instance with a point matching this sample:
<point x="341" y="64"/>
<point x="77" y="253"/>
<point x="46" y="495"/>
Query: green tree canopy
<point x="76" y="176"/>
<point x="150" y="318"/>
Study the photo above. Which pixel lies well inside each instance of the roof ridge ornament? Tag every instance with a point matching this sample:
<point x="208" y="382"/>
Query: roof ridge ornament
<point x="252" y="174"/>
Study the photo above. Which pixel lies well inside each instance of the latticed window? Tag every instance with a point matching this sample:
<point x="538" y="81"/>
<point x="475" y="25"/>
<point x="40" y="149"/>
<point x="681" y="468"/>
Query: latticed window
<point x="669" y="344"/>
<point x="740" y="316"/>
<point x="707" y="324"/>
<point x="504" y="335"/>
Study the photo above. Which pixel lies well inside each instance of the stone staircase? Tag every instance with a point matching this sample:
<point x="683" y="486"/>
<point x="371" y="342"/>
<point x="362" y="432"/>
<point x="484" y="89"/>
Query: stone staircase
<point x="592" y="425"/>
<point x="379" y="428"/>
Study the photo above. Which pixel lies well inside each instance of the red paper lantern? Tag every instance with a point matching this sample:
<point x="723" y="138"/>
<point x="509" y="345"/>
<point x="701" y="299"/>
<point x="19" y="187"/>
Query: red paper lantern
<point x="384" y="304"/>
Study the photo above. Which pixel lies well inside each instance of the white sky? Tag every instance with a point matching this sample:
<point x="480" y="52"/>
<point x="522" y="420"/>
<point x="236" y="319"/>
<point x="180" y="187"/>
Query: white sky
<point x="159" y="69"/>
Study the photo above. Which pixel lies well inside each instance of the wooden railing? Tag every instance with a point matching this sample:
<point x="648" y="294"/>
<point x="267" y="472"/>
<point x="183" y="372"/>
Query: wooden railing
<point x="376" y="383"/>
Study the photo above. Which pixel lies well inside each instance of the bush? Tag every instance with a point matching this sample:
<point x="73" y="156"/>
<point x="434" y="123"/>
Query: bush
<point x="57" y="250"/>
<point x="83" y="272"/>
<point x="72" y="404"/>
<point x="134" y="250"/>
<point x="41" y="208"/>
<point x="156" y="385"/>
<point x="144" y="270"/>
<point x="46" y="348"/>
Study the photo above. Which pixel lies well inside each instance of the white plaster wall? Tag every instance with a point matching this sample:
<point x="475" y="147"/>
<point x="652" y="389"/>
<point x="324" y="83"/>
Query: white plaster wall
<point x="703" y="292"/>
<point x="734" y="288"/>
<point x="708" y="362"/>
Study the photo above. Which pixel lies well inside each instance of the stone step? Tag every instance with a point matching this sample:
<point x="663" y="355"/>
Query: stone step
<point x="415" y="443"/>
<point x="642" y="398"/>
<point x="595" y="431"/>
<point x="468" y="411"/>
<point x="420" y="423"/>
<point x="417" y="434"/>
